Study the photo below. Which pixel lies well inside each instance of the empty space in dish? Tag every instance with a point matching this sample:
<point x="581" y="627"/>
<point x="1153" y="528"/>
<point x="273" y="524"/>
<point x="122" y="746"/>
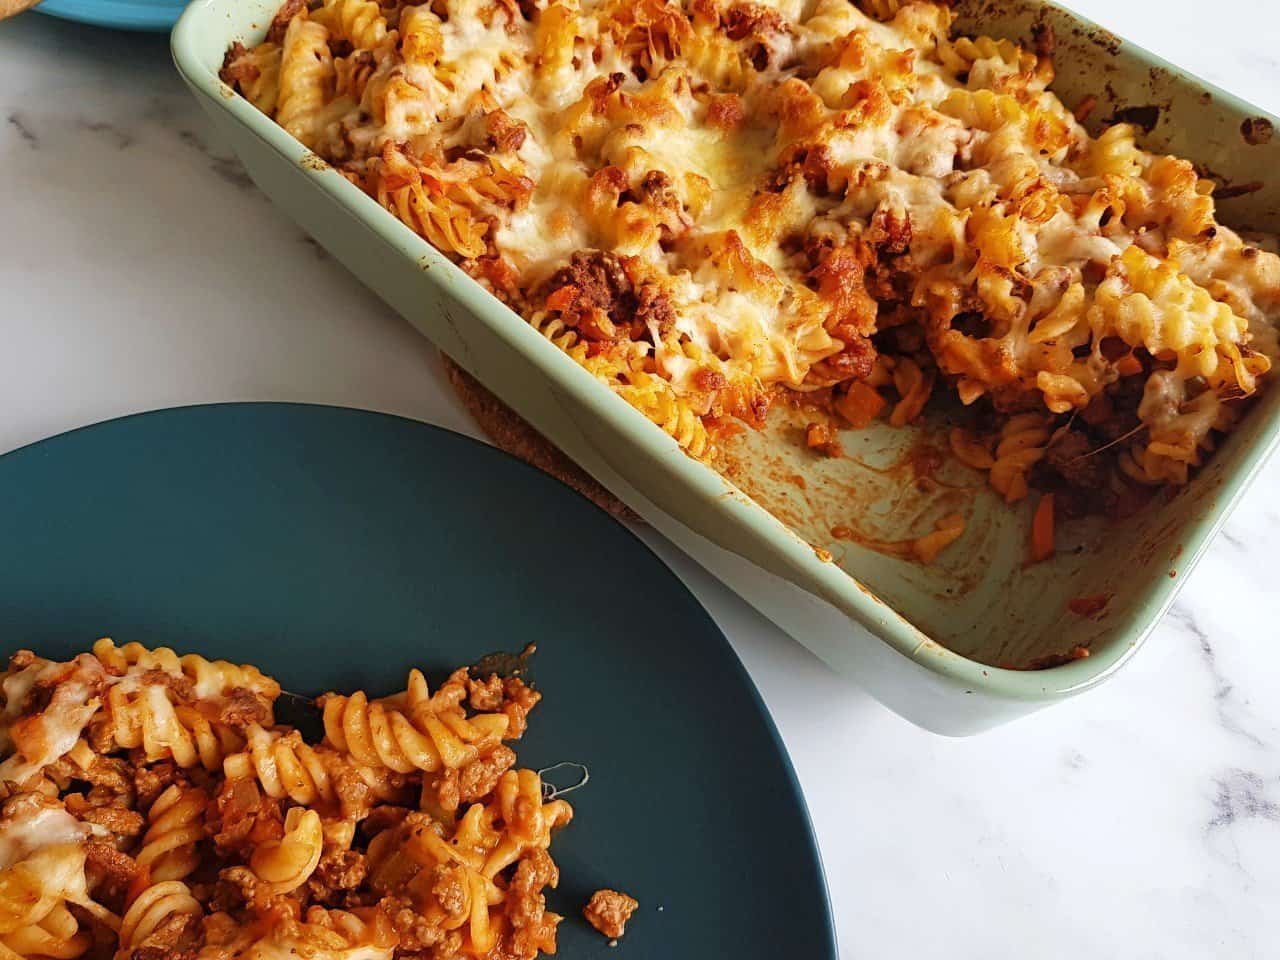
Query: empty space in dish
<point x="981" y="598"/>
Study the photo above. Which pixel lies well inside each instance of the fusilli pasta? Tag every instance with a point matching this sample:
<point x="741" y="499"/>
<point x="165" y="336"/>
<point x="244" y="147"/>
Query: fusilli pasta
<point x="248" y="856"/>
<point x="710" y="204"/>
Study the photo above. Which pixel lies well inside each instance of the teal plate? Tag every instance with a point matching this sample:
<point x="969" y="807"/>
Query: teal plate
<point x="336" y="548"/>
<point x="152" y="15"/>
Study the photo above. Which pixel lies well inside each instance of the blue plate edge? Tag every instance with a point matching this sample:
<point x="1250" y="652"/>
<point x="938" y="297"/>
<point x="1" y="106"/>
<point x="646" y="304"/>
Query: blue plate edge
<point x="136" y="18"/>
<point x="793" y="781"/>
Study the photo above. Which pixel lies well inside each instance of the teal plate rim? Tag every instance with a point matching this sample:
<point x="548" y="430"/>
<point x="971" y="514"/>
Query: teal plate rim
<point x="150" y="16"/>
<point x="205" y="527"/>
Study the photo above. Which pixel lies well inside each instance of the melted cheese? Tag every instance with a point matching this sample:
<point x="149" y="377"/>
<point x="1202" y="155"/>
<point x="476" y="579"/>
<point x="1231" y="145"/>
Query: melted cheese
<point x="659" y="130"/>
<point x="32" y="822"/>
<point x="1064" y="242"/>
<point x="40" y="739"/>
<point x="342" y="940"/>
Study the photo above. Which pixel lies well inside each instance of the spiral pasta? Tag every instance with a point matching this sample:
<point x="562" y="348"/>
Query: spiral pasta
<point x="528" y="818"/>
<point x="914" y="386"/>
<point x="175" y="825"/>
<point x="210" y="679"/>
<point x="425" y="735"/>
<point x="466" y="910"/>
<point x="1022" y="444"/>
<point x="360" y="934"/>
<point x="421" y="41"/>
<point x="147" y="719"/>
<point x="57" y="935"/>
<point x="653" y="397"/>
<point x="1116" y="152"/>
<point x="306" y="77"/>
<point x="157" y="906"/>
<point x="286" y="767"/>
<point x="257" y="74"/>
<point x="961" y="54"/>
<point x="448" y="224"/>
<point x="712" y="206"/>
<point x="1140" y="464"/>
<point x="284" y="865"/>
<point x="36" y="738"/>
<point x="882" y="9"/>
<point x="359" y="21"/>
<point x="249" y="857"/>
<point x="719" y="62"/>
<point x="1150" y="303"/>
<point x="45" y="848"/>
<point x="473" y="859"/>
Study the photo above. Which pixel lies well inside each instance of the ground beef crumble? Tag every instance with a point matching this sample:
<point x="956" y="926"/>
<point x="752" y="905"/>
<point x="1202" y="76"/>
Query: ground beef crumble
<point x="485" y="695"/>
<point x="243" y="817"/>
<point x="117" y="869"/>
<point x="608" y="911"/>
<point x="504" y="133"/>
<point x="151" y="781"/>
<point x="237" y="69"/>
<point x="593" y="294"/>
<point x="478" y="778"/>
<point x="148" y="952"/>
<point x="412" y="902"/>
<point x="280" y="23"/>
<point x="337" y="874"/>
<point x="240" y="707"/>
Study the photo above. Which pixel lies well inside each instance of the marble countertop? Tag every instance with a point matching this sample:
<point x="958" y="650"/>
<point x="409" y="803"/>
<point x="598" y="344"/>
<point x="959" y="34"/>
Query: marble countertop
<point x="142" y="269"/>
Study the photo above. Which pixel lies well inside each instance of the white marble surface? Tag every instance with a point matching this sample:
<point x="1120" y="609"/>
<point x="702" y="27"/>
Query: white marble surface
<point x="1141" y="821"/>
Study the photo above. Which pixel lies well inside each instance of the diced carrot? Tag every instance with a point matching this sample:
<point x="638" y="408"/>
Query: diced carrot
<point x="1042" y="530"/>
<point x="948" y="530"/>
<point x="860" y="405"/>
<point x="1128" y="365"/>
<point x="562" y="298"/>
<point x="824" y="438"/>
<point x="396" y="181"/>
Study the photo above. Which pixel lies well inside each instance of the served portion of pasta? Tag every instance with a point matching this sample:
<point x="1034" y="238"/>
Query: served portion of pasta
<point x="712" y="203"/>
<point x="153" y="809"/>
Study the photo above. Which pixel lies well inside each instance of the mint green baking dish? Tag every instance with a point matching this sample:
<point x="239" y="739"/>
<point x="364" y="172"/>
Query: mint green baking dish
<point x="933" y="643"/>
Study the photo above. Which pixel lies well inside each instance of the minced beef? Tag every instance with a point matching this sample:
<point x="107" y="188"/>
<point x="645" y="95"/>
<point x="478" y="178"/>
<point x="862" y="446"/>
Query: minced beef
<point x="608" y="911"/>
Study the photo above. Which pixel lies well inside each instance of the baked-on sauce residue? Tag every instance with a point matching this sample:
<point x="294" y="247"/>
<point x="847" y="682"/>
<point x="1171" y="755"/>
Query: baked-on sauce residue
<point x="892" y="509"/>
<point x="1089" y="606"/>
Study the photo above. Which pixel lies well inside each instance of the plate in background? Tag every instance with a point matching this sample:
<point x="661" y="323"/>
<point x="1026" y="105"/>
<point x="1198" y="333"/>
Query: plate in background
<point x="152" y="15"/>
<point x="335" y="548"/>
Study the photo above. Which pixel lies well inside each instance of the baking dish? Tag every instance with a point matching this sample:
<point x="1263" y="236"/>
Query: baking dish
<point x="815" y="561"/>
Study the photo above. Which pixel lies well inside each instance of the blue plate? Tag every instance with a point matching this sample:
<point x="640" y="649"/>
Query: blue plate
<point x="336" y="548"/>
<point x="154" y="15"/>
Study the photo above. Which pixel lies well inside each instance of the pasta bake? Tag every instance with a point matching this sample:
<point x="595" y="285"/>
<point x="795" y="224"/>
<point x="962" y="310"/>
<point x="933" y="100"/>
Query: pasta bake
<point x="715" y="205"/>
<point x="153" y="809"/>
